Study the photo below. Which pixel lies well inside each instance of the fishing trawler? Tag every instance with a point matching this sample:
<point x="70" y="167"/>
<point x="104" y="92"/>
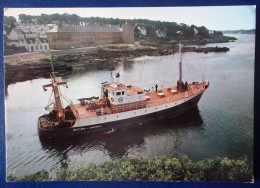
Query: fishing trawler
<point x="118" y="105"/>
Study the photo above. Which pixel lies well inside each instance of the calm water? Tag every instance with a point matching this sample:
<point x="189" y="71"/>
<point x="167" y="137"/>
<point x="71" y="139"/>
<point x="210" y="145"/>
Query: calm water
<point x="221" y="125"/>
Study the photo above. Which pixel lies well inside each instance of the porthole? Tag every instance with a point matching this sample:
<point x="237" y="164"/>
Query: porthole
<point x="134" y="112"/>
<point x="116" y="116"/>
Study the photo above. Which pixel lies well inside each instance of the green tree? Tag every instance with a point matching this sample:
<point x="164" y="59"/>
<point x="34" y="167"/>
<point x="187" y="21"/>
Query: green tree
<point x="217" y="33"/>
<point x="203" y="31"/>
<point x="9" y="19"/>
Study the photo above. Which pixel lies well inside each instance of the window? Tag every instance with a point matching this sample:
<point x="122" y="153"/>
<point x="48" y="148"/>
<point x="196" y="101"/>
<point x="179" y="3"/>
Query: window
<point x="118" y="93"/>
<point x="123" y="92"/>
<point x="36" y="47"/>
<point x="45" y="47"/>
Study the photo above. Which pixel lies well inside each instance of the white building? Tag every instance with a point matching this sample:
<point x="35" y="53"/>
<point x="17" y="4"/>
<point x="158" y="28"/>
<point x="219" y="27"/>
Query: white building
<point x="161" y="33"/>
<point x="142" y="30"/>
<point x="31" y="35"/>
<point x="195" y="31"/>
<point x="211" y="32"/>
<point x="36" y="44"/>
<point x="34" y="30"/>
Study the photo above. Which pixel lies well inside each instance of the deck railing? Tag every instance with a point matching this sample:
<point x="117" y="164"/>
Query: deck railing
<point x="143" y="104"/>
<point x="156" y="102"/>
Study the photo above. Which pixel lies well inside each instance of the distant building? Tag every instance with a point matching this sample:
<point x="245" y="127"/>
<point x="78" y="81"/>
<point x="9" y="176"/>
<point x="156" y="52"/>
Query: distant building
<point x="211" y="32"/>
<point x="161" y="33"/>
<point x="30" y="35"/>
<point x="142" y="30"/>
<point x="33" y="31"/>
<point x="196" y="31"/>
<point x="70" y="36"/>
<point x="36" y="44"/>
<point x="15" y="35"/>
<point x="128" y="34"/>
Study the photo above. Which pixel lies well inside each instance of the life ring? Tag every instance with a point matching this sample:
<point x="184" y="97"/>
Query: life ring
<point x="120" y="99"/>
<point x="112" y="99"/>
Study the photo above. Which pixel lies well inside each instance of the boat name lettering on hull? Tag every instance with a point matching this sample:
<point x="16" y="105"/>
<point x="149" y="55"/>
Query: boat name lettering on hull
<point x="95" y="127"/>
<point x="79" y="129"/>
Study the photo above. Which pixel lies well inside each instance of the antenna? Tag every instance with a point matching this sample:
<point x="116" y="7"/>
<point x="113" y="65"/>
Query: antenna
<point x="112" y="76"/>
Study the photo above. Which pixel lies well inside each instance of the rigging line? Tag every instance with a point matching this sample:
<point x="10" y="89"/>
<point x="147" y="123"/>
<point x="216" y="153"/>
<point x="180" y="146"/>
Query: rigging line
<point x="140" y="72"/>
<point x="50" y="97"/>
<point x="143" y="63"/>
<point x="189" y="67"/>
<point x="168" y="68"/>
<point x="195" y="69"/>
<point x="157" y="71"/>
<point x="60" y="95"/>
<point x="66" y="99"/>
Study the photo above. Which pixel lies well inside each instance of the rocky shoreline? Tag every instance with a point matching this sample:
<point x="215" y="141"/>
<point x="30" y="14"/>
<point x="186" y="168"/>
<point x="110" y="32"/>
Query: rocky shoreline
<point x="100" y="59"/>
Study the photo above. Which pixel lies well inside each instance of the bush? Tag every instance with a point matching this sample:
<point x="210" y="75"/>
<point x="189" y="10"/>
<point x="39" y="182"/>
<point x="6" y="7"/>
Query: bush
<point x="42" y="175"/>
<point x="158" y="169"/>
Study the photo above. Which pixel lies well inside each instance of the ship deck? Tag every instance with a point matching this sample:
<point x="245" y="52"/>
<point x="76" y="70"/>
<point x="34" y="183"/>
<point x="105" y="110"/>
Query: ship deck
<point x="153" y="98"/>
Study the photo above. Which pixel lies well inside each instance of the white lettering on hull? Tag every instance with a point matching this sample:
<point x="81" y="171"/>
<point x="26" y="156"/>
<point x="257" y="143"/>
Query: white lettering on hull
<point x="79" y="129"/>
<point x="95" y="127"/>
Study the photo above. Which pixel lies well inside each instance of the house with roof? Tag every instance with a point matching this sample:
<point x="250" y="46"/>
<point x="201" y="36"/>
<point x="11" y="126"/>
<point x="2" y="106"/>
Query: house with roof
<point x="33" y="31"/>
<point x="161" y="33"/>
<point x="142" y="30"/>
<point x="77" y="36"/>
<point x="16" y="35"/>
<point x="36" y="44"/>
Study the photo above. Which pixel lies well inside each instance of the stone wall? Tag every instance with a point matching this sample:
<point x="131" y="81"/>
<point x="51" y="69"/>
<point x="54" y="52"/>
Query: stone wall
<point x="80" y="40"/>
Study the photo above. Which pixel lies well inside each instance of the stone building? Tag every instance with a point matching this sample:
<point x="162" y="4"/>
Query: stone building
<point x="128" y="34"/>
<point x="69" y="36"/>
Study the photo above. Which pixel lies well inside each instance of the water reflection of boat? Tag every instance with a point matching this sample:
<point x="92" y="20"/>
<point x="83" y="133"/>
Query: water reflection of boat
<point x="130" y="136"/>
<point x="118" y="105"/>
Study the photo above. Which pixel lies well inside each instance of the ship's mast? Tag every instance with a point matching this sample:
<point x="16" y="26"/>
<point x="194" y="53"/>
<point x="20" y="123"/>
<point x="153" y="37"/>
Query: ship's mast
<point x="54" y="85"/>
<point x="180" y="67"/>
<point x="57" y="96"/>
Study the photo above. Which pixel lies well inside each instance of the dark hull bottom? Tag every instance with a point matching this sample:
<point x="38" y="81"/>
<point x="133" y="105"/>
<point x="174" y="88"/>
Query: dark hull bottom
<point x="156" y="116"/>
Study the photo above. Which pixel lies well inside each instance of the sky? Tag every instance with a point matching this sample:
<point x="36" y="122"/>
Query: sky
<point x="214" y="17"/>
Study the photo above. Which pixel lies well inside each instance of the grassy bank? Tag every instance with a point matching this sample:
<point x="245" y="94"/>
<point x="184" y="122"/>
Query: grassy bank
<point x="158" y="169"/>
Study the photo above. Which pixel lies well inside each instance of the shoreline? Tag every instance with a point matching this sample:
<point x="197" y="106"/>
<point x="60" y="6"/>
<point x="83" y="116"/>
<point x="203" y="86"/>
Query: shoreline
<point x="32" y="65"/>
